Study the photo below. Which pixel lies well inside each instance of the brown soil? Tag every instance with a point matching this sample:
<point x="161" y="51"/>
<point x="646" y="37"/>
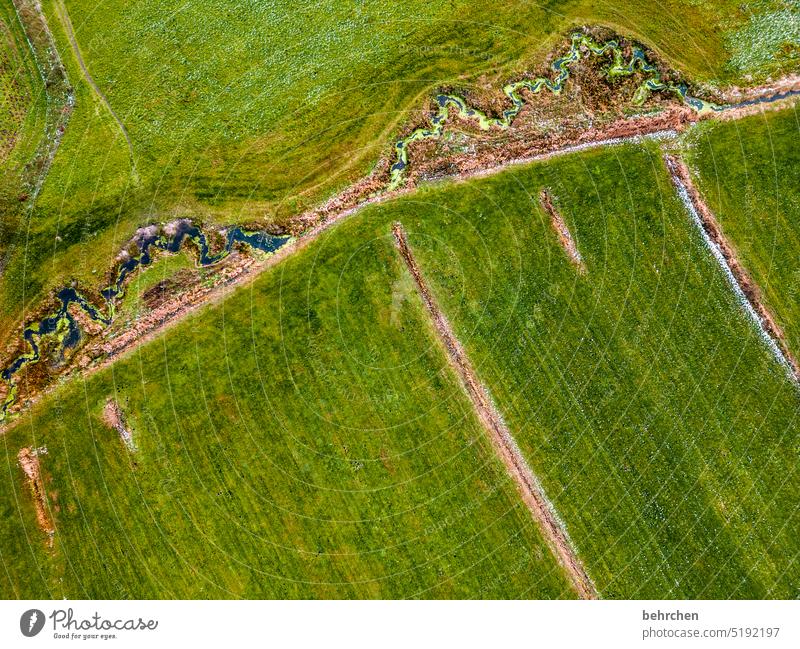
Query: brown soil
<point x="29" y="461"/>
<point x="499" y="434"/>
<point x="561" y="229"/>
<point x="172" y="308"/>
<point x="88" y="326"/>
<point x="115" y="418"/>
<point x="167" y="288"/>
<point x="680" y="172"/>
<point x="497" y="153"/>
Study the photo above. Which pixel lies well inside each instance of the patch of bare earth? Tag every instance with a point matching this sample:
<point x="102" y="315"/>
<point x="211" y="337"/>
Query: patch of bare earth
<point x="115" y="418"/>
<point x="561" y="229"/>
<point x="29" y="462"/>
<point x="499" y="434"/>
<point x="682" y="176"/>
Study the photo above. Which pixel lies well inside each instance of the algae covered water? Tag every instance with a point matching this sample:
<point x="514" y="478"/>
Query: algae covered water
<point x="618" y="68"/>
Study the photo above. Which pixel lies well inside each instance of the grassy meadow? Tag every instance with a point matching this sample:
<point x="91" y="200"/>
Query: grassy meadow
<point x="749" y="174"/>
<point x="251" y="112"/>
<point x="338" y="460"/>
<point x="660" y="425"/>
<point x="306" y="438"/>
<point x="22" y="114"/>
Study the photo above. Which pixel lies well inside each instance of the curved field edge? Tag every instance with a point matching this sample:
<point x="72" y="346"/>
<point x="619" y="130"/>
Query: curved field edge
<point x="259" y="148"/>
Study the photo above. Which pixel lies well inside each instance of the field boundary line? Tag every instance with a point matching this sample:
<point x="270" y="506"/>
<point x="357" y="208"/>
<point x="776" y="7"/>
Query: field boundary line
<point x="747" y="291"/>
<point x="542" y="510"/>
<point x="317" y="222"/>
<point x="169" y="315"/>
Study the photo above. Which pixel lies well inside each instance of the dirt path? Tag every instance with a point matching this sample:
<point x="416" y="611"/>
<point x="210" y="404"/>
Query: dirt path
<point x="743" y="284"/>
<point x="63" y="16"/>
<point x="29" y="461"/>
<point x="499" y="434"/>
<point x="561" y="229"/>
<point x="115" y="418"/>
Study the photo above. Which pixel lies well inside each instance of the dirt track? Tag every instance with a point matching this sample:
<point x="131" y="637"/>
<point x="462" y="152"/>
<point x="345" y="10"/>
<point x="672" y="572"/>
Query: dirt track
<point x="29" y="461"/>
<point x="561" y="229"/>
<point x="66" y="22"/>
<point x="682" y="177"/>
<point x="499" y="434"/>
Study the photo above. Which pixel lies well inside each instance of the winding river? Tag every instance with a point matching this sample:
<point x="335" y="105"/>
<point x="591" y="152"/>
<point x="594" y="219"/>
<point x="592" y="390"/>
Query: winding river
<point x="62" y="324"/>
<point x="618" y="68"/>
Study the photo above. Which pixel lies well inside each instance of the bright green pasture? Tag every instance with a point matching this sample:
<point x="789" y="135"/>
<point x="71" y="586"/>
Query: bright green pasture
<point x="305" y="438"/>
<point x="253" y="111"/>
<point x="660" y="425"/>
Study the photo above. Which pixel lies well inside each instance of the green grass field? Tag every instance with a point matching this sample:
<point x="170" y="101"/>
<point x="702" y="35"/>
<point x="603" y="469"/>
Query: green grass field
<point x="661" y="426"/>
<point x="749" y="174"/>
<point x="305" y="437"/>
<point x="22" y="114"/>
<point x="241" y="113"/>
<point x="340" y="460"/>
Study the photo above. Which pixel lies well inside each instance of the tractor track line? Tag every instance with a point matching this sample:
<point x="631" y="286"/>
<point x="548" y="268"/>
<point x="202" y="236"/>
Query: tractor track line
<point x="66" y="22"/>
<point x="529" y="487"/>
<point x="747" y="291"/>
<point x="562" y="231"/>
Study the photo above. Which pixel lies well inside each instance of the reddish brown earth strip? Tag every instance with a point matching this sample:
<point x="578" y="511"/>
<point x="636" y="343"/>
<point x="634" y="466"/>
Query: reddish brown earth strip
<point x="680" y="173"/>
<point x="561" y="229"/>
<point x="29" y="461"/>
<point x="499" y="434"/>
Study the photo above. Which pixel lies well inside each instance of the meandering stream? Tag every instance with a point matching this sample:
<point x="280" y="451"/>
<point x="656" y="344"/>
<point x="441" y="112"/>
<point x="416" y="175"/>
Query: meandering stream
<point x="62" y="324"/>
<point x="618" y="68"/>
